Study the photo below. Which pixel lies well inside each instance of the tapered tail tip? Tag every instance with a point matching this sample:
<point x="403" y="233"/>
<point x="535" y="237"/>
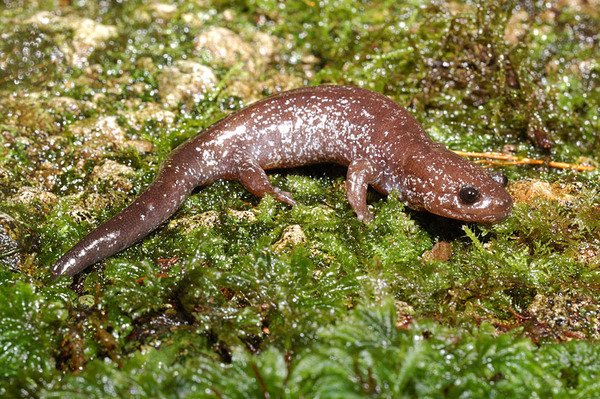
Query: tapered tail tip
<point x="63" y="266"/>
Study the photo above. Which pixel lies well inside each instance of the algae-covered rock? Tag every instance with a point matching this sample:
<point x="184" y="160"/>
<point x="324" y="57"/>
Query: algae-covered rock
<point x="185" y="81"/>
<point x="252" y="90"/>
<point x="291" y="236"/>
<point x="10" y="256"/>
<point x="87" y="34"/>
<point x="163" y="10"/>
<point x="230" y="49"/>
<point x="97" y="135"/>
<point x="564" y="315"/>
<point x="152" y="112"/>
<point x="35" y="197"/>
<point x="29" y="112"/>
<point x="114" y="173"/>
<point x="531" y="190"/>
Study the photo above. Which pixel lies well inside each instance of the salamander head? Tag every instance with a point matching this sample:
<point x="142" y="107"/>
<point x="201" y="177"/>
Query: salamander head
<point x="443" y="183"/>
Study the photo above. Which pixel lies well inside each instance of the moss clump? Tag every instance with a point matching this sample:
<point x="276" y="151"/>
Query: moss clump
<point x="365" y="354"/>
<point x="32" y="321"/>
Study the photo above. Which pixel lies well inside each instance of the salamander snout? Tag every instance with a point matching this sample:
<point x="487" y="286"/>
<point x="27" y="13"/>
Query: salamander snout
<point x="448" y="185"/>
<point x="488" y="204"/>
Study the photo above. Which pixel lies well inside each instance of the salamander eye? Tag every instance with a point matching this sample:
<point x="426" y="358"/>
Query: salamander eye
<point x="500" y="177"/>
<point x="468" y="194"/>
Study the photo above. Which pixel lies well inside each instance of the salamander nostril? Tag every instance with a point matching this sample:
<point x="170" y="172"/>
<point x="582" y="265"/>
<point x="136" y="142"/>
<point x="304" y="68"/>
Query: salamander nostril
<point x="500" y="177"/>
<point x="468" y="194"/>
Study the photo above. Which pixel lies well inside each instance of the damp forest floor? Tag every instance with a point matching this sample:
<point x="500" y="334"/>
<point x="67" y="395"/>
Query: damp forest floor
<point x="236" y="297"/>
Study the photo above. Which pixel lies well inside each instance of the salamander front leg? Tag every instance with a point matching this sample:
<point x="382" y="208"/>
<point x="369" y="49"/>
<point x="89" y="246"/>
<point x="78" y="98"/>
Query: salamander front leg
<point x="360" y="174"/>
<point x="255" y="180"/>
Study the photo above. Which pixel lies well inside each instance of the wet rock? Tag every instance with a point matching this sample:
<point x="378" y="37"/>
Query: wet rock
<point x="516" y="27"/>
<point x="163" y="10"/>
<point x="118" y="175"/>
<point x="141" y="146"/>
<point x="196" y="19"/>
<point x="48" y="173"/>
<point x="564" y="315"/>
<point x="184" y="81"/>
<point x="102" y="127"/>
<point x="98" y="135"/>
<point x="224" y="45"/>
<point x="589" y="253"/>
<point x="404" y="313"/>
<point x="252" y="90"/>
<point x="441" y="251"/>
<point x="266" y="45"/>
<point x="87" y="35"/>
<point x="66" y="105"/>
<point x="149" y="112"/>
<point x="229" y="15"/>
<point x="248" y="216"/>
<point x="207" y="219"/>
<point x="526" y="191"/>
<point x="230" y="49"/>
<point x="83" y="206"/>
<point x="292" y="235"/>
<point x="9" y="247"/>
<point x="28" y="112"/>
<point x="35" y="197"/>
<point x="146" y="63"/>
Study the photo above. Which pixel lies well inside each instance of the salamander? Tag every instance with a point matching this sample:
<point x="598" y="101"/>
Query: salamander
<point x="380" y="143"/>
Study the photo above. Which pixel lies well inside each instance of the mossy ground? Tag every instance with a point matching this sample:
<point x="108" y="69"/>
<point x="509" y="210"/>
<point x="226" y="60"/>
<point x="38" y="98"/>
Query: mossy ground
<point x="240" y="297"/>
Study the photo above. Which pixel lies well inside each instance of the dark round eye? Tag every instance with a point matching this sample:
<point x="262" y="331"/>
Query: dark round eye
<point x="468" y="194"/>
<point x="500" y="178"/>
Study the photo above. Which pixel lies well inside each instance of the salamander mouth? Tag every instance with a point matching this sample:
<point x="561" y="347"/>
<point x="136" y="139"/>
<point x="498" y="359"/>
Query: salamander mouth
<point x="491" y="218"/>
<point x="492" y="213"/>
<point x="487" y="210"/>
<point x="487" y="217"/>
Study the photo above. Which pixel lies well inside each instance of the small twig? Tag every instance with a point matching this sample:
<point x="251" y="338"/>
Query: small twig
<point x="497" y="158"/>
<point x="517" y="314"/>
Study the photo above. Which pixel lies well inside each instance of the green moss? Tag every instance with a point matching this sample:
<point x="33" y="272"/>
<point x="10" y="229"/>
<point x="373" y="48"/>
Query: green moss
<point x="364" y="355"/>
<point x="30" y="320"/>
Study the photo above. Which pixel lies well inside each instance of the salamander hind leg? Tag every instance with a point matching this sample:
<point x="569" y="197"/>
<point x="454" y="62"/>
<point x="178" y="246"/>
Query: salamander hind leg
<point x="360" y="174"/>
<point x="255" y="180"/>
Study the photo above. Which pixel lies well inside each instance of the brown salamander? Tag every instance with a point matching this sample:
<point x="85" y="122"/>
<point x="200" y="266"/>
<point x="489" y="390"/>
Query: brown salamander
<point x="380" y="142"/>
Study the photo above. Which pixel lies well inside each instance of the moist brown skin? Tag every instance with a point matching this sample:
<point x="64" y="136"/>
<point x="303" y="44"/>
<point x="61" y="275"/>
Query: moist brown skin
<point x="380" y="142"/>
